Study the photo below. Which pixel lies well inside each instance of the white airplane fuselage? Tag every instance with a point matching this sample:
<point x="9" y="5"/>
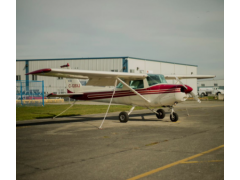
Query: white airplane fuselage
<point x="158" y="95"/>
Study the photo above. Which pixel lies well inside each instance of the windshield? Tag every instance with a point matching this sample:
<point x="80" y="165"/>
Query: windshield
<point x="153" y="79"/>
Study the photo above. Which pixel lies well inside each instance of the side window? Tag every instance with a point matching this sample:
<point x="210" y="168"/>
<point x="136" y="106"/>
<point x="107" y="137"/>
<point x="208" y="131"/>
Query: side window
<point x="120" y="85"/>
<point x="136" y="84"/>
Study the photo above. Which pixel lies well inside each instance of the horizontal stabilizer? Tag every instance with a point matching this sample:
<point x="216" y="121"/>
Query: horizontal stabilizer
<point x="64" y="95"/>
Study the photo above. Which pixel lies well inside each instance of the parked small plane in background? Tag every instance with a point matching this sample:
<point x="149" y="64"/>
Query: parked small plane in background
<point x="147" y="90"/>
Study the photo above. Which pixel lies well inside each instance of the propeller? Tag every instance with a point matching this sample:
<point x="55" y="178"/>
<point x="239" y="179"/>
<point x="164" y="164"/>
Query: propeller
<point x="195" y="97"/>
<point x="192" y="93"/>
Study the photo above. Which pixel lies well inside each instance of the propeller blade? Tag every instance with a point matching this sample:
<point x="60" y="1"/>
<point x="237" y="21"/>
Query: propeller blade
<point x="195" y="97"/>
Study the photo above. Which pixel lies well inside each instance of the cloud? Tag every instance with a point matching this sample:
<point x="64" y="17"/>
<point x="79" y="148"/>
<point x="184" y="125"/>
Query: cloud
<point x="185" y="31"/>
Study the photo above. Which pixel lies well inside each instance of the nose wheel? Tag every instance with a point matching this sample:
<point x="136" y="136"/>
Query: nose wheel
<point x="173" y="115"/>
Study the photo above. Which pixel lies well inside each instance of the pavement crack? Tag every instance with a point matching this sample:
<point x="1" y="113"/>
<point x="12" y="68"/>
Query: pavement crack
<point x="30" y="166"/>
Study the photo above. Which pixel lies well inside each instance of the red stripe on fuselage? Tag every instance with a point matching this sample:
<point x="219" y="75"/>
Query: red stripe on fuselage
<point x="157" y="89"/>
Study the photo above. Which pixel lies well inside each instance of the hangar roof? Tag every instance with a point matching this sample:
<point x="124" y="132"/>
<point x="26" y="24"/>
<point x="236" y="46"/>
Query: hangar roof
<point x="103" y="58"/>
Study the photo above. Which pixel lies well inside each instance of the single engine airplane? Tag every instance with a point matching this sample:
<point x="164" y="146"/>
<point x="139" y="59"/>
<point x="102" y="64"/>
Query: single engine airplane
<point x="147" y="90"/>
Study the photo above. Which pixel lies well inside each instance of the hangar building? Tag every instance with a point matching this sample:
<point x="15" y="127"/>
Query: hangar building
<point x="114" y="64"/>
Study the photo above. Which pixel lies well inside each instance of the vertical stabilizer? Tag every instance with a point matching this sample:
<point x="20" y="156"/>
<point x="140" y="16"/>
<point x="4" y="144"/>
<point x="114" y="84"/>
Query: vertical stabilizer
<point x="73" y="85"/>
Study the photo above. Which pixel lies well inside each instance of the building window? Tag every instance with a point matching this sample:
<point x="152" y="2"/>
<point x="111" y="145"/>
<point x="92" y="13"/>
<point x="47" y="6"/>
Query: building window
<point x="60" y="91"/>
<point x="132" y="71"/>
<point x="215" y="84"/>
<point x="60" y="78"/>
<point x="34" y="77"/>
<point x="202" y="84"/>
<point x="141" y="71"/>
<point x="114" y="70"/>
<point x="18" y="77"/>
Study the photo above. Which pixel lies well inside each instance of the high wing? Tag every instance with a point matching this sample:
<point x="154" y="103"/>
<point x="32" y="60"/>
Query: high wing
<point x="103" y="78"/>
<point x="96" y="78"/>
<point x="168" y="77"/>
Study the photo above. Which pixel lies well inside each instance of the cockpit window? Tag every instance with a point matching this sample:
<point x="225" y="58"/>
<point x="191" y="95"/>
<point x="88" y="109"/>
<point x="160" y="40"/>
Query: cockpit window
<point x="136" y="84"/>
<point x="162" y="78"/>
<point x="153" y="79"/>
<point x="120" y="85"/>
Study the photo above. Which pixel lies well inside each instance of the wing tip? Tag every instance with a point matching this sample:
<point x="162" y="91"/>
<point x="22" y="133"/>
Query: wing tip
<point x="40" y="71"/>
<point x="50" y="94"/>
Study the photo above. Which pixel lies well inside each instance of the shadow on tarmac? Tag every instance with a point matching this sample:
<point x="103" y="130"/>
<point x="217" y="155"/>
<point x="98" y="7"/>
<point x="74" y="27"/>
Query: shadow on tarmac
<point x="81" y="119"/>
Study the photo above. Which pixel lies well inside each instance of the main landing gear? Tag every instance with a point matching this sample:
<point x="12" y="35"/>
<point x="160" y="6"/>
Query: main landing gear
<point x="160" y="114"/>
<point x="124" y="116"/>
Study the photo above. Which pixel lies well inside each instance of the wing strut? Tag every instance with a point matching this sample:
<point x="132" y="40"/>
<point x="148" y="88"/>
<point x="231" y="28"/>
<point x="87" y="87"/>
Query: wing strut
<point x="100" y="127"/>
<point x="65" y="109"/>
<point x="133" y="90"/>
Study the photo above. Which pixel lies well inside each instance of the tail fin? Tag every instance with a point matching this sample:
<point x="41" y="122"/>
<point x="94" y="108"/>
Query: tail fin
<point x="73" y="85"/>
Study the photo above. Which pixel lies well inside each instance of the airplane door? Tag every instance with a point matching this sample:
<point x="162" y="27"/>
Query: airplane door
<point x="136" y="85"/>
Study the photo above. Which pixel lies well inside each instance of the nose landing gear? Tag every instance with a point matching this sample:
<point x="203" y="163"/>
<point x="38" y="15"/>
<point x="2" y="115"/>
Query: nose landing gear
<point x="173" y="115"/>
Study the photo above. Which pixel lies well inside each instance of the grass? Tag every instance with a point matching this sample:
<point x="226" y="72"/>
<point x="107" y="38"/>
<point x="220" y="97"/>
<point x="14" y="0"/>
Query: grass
<point x="206" y="98"/>
<point x="211" y="98"/>
<point x="49" y="111"/>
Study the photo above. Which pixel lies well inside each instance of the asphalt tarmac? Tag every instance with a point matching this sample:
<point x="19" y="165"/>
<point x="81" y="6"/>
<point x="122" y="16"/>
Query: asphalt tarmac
<point x="143" y="148"/>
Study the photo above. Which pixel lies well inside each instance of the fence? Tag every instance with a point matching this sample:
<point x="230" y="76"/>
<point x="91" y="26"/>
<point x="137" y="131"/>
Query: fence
<point x="30" y="93"/>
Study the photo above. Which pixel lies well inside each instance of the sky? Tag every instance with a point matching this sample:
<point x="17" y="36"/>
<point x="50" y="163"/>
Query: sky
<point x="181" y="31"/>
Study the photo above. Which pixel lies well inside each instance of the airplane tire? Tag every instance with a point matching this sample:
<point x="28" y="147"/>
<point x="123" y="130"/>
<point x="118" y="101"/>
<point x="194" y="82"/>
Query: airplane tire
<point x="161" y="114"/>
<point x="123" y="117"/>
<point x="174" y="118"/>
